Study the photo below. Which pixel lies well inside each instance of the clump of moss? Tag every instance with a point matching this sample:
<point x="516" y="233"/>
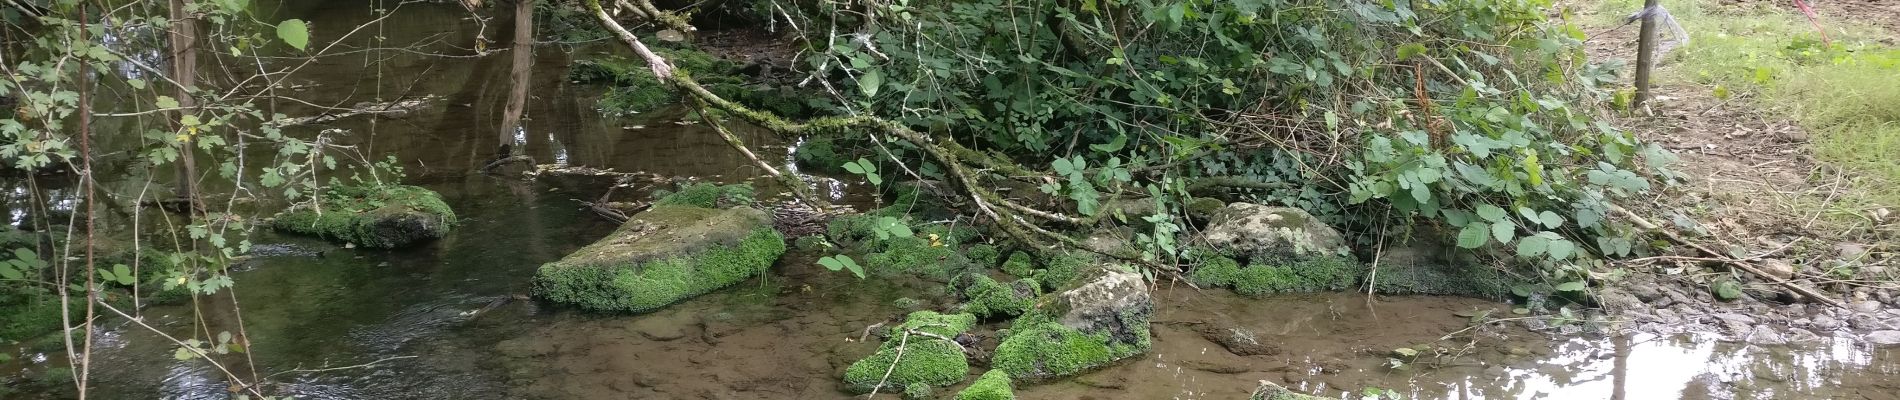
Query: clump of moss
<point x="1020" y="264"/>
<point x="24" y="316"/>
<point x="917" y="391"/>
<point x="1314" y="274"/>
<point x="1062" y="269"/>
<point x="852" y="229"/>
<point x="918" y="256"/>
<point x="378" y="216"/>
<point x="983" y="255"/>
<point x="813" y="243"/>
<point x="927" y="360"/>
<point x="707" y="195"/>
<point x="657" y="268"/>
<point x="985" y="297"/>
<point x="1044" y="349"/>
<point x="993" y="385"/>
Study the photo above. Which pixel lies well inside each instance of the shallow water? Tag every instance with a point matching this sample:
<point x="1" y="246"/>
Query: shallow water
<point x="333" y="323"/>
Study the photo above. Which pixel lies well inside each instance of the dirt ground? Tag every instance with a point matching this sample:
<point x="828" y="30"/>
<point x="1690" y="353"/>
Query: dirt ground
<point x="1753" y="186"/>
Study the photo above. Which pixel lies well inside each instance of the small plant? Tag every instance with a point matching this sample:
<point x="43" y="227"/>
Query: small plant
<point x="842" y="262"/>
<point x="866" y="169"/>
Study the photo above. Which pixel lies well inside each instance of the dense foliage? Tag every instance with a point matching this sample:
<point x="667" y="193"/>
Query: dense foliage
<point x="1474" y="117"/>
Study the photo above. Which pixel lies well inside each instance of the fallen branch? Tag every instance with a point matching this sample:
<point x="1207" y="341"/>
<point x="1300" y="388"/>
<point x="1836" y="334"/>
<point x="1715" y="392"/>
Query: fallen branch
<point x="1743" y="264"/>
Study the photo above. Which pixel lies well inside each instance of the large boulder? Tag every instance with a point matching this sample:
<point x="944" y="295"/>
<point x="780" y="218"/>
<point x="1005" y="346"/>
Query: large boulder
<point x="921" y="352"/>
<point x="1261" y="231"/>
<point x="666" y="254"/>
<point x="1102" y="320"/>
<point x="378" y="216"/>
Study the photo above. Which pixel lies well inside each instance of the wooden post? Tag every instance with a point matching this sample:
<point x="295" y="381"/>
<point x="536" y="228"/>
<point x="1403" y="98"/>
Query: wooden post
<point x="184" y="52"/>
<point x="1645" y="53"/>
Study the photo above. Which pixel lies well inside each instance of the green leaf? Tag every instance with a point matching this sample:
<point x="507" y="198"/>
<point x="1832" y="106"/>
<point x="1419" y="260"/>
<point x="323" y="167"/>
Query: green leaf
<point x="1561" y="249"/>
<point x="1528" y="214"/>
<point x="832" y="262"/>
<point x="870" y="81"/>
<point x="138" y="84"/>
<point x="1550" y="219"/>
<point x="9" y="273"/>
<point x="1728" y="289"/>
<point x="1531" y="246"/>
<point x="1405" y="352"/>
<point x="874" y="178"/>
<point x="1503" y="231"/>
<point x="1409" y="50"/>
<point x="1474" y="235"/>
<point x="867" y="165"/>
<point x="1112" y="146"/>
<point x="25" y="254"/>
<point x="1572" y="286"/>
<point x="124" y="274"/>
<point x="294" y="33"/>
<point x="1491" y="213"/>
<point x="854" y="168"/>
<point x="182" y="354"/>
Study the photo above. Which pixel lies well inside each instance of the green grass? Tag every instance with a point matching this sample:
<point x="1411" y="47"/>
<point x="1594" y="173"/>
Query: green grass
<point x="1843" y="93"/>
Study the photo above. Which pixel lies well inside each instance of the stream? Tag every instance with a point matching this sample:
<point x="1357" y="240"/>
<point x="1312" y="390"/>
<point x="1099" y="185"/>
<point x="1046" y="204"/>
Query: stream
<point x="335" y="323"/>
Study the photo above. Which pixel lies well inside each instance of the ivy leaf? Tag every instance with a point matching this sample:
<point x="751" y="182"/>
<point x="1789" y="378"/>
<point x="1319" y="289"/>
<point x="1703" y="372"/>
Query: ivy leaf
<point x="1491" y="213"/>
<point x="1503" y="231"/>
<point x="1474" y="235"/>
<point x="870" y="81"/>
<point x="294" y="33"/>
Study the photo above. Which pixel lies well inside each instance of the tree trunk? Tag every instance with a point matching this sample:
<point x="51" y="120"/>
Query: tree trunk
<point x="521" y="68"/>
<point x="184" y="52"/>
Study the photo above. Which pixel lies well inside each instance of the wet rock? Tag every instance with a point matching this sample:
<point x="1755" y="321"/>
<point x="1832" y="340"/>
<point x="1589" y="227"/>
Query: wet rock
<point x="661" y="256"/>
<point x="1102" y="320"/>
<point x="1778" y="268"/>
<point x="1110" y="241"/>
<point x="1619" y="299"/>
<point x="377" y="216"/>
<point x="1866" y="306"/>
<point x="1736" y="318"/>
<point x="661" y="328"/>
<point x="1270" y="391"/>
<point x="1258" y="230"/>
<point x="930" y="357"/>
<point x="1240" y="341"/>
<point x="1824" y="322"/>
<point x="1884" y="338"/>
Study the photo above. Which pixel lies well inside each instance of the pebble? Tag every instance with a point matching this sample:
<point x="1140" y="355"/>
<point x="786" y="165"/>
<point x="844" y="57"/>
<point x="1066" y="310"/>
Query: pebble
<point x="1866" y="306"/>
<point x="1824" y="322"/>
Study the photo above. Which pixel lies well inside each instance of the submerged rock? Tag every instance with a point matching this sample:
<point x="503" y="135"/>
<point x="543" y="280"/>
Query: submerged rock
<point x="1270" y="391"/>
<point x="666" y="254"/>
<point x="930" y="357"/>
<point x="994" y="385"/>
<point x="1263" y="231"/>
<point x="1268" y="275"/>
<point x="1101" y="321"/>
<point x="379" y="216"/>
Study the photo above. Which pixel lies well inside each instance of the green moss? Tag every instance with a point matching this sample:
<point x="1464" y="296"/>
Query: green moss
<point x="993" y="385"/>
<point x="813" y="243"/>
<point x="1043" y="350"/>
<point x="917" y="391"/>
<point x="926" y="360"/>
<point x="708" y="195"/>
<point x="1062" y="269"/>
<point x="985" y="297"/>
<point x="852" y="229"/>
<point x="983" y="255"/>
<point x="656" y="269"/>
<point x="915" y="255"/>
<point x="385" y="216"/>
<point x="26" y="317"/>
<point x="1315" y="274"/>
<point x="1020" y="264"/>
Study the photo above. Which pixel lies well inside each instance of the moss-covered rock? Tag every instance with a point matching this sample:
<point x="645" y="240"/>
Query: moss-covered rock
<point x="666" y="254"/>
<point x="1020" y="264"/>
<point x="1270" y="391"/>
<point x="707" y="195"/>
<point x="993" y="385"/>
<point x="1469" y="280"/>
<point x="986" y="298"/>
<point x="378" y="216"/>
<point x="983" y="255"/>
<point x="927" y="359"/>
<point x="1100" y="321"/>
<point x="917" y="391"/>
